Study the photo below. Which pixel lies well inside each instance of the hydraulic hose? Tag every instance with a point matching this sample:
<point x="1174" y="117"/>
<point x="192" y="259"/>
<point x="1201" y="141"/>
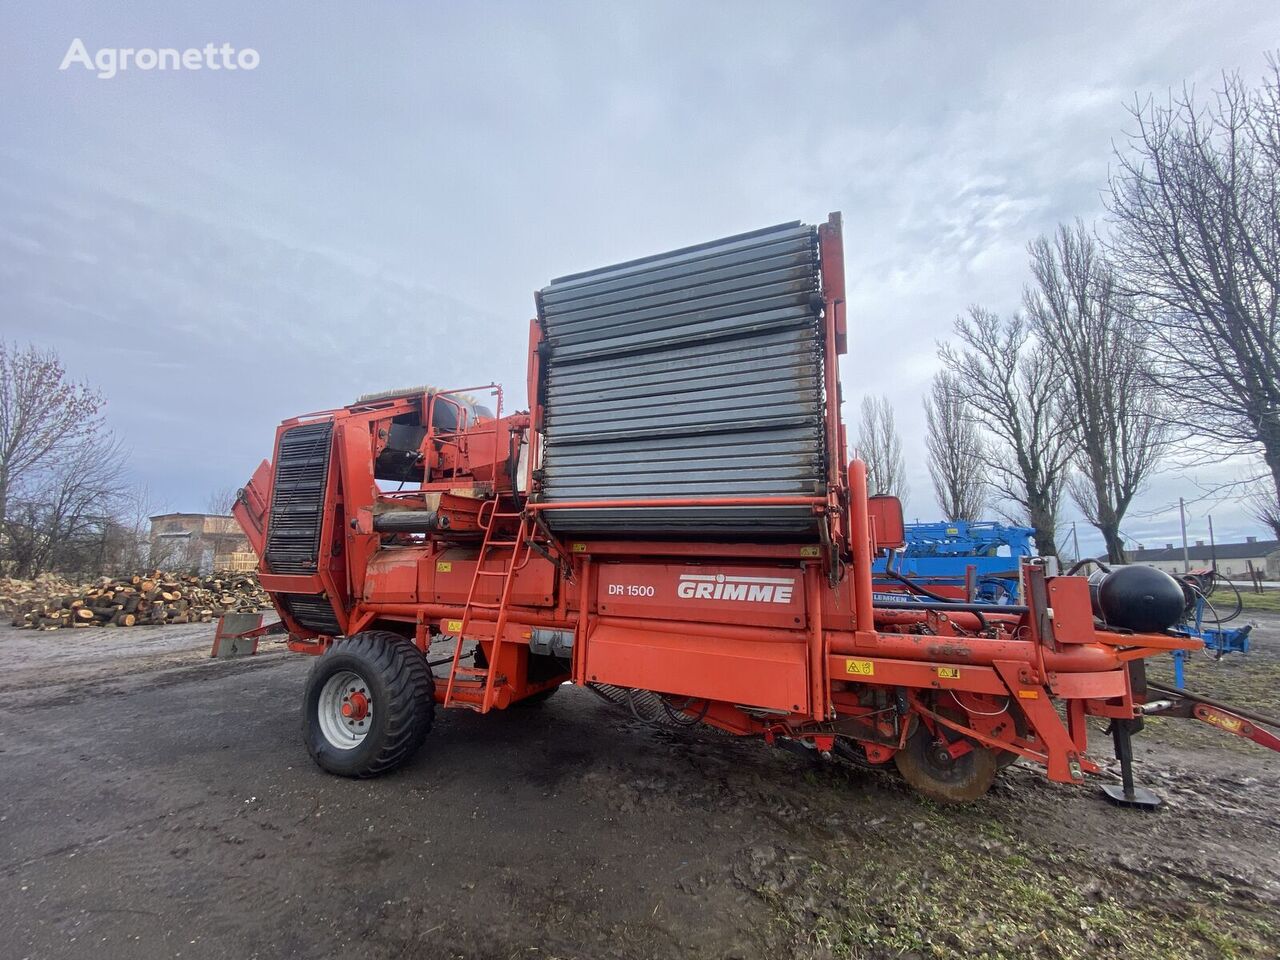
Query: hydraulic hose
<point x="915" y="587"/>
<point x="1087" y="561"/>
<point x="944" y="605"/>
<point x="941" y="602"/>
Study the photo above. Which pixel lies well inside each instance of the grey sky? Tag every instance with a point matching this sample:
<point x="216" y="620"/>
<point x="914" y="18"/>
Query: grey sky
<point x="375" y="203"/>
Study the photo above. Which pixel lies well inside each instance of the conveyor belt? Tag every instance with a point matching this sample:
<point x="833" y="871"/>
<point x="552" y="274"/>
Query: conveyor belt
<point x="692" y="374"/>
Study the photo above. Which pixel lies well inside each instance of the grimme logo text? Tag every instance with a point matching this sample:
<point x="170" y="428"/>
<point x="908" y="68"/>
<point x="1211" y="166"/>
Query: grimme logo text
<point x="696" y="586"/>
<point x="109" y="61"/>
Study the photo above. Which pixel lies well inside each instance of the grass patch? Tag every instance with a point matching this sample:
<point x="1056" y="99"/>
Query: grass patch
<point x="1245" y="679"/>
<point x="1266" y="602"/>
<point x="998" y="905"/>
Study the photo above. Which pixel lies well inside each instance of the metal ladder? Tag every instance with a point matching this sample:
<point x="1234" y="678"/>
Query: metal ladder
<point x="519" y="556"/>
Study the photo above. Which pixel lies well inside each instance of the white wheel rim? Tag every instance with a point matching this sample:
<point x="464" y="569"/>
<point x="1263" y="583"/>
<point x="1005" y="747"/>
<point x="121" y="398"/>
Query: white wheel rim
<point x="348" y="689"/>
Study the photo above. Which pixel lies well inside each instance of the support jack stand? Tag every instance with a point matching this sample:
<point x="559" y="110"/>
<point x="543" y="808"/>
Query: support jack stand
<point x="1126" y="794"/>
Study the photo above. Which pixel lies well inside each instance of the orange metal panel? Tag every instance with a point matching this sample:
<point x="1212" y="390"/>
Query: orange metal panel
<point x="761" y="595"/>
<point x="1072" y="611"/>
<point x="446" y="578"/>
<point x="1091" y="686"/>
<point x="814" y="502"/>
<point x="908" y="673"/>
<point x="392" y="575"/>
<point x="887" y="527"/>
<point x="756" y="673"/>
<point x="290" y="582"/>
<point x="718" y="550"/>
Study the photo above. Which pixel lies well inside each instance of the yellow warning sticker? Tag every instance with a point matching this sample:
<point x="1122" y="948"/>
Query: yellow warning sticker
<point x="948" y="673"/>
<point x="1233" y="724"/>
<point x="808" y="551"/>
<point x="863" y="668"/>
<point x="579" y="548"/>
<point x="444" y="566"/>
<point x="453" y="626"/>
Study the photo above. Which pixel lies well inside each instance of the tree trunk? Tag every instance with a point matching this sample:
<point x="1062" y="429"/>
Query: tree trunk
<point x="4" y="511"/>
<point x="1107" y="519"/>
<point x="1044" y="523"/>
<point x="1115" y="543"/>
<point x="1271" y="454"/>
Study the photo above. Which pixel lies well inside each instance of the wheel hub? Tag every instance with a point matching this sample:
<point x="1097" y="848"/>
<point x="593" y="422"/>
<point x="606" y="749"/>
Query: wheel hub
<point x="355" y="706"/>
<point x="345" y="710"/>
<point x="942" y="756"/>
<point x="949" y="771"/>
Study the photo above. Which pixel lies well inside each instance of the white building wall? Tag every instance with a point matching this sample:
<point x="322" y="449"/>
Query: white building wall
<point x="1236" y="568"/>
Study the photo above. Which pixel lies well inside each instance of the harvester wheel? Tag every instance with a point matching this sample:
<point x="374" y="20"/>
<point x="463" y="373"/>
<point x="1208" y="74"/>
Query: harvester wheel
<point x="928" y="767"/>
<point x="368" y="705"/>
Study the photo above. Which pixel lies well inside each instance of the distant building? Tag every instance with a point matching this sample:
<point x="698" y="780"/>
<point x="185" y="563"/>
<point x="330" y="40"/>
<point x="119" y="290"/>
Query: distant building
<point x="1233" y="559"/>
<point x="199" y="541"/>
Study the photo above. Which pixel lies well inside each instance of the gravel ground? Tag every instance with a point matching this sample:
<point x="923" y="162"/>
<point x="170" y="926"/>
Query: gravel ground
<point x="160" y="804"/>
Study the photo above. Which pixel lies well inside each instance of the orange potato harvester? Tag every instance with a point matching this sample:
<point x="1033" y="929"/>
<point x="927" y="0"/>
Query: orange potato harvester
<point x="674" y="521"/>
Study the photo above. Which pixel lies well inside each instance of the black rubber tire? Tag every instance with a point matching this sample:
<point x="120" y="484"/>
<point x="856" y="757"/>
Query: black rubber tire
<point x="401" y="690"/>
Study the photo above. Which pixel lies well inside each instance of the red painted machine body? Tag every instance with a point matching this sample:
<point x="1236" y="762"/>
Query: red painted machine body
<point x="780" y="639"/>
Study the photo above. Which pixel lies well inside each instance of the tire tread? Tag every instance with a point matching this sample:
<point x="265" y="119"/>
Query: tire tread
<point x="409" y="703"/>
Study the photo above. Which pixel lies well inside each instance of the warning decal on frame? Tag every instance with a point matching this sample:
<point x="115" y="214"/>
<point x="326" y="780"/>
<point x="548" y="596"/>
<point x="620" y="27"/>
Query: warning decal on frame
<point x="948" y="673"/>
<point x="863" y="668"/>
<point x="1233" y="724"/>
<point x="453" y="626"/>
<point x="444" y="566"/>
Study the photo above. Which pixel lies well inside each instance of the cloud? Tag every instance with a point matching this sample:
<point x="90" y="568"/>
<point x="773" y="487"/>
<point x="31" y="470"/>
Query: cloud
<point x="203" y="337"/>
<point x="376" y="202"/>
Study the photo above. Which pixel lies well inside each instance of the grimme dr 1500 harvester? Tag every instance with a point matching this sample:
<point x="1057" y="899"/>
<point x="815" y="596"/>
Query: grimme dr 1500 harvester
<point x="674" y="522"/>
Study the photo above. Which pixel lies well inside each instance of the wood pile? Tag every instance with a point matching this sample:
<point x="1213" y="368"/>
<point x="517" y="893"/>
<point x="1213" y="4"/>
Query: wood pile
<point x="50" y="603"/>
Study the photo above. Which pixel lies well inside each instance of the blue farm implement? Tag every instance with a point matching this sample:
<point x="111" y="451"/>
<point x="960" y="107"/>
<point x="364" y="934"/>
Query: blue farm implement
<point x="1207" y="620"/>
<point x="960" y="560"/>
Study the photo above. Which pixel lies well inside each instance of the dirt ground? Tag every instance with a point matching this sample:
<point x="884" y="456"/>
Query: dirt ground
<point x="160" y="804"/>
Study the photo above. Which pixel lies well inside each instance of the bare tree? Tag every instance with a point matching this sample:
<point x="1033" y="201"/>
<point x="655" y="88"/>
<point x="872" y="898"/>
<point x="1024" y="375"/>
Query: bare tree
<point x="1012" y="388"/>
<point x="64" y="517"/>
<point x="221" y="501"/>
<point x="881" y="448"/>
<point x="1079" y="313"/>
<point x="1195" y="201"/>
<point x="133" y="551"/>
<point x="43" y="416"/>
<point x="957" y="465"/>
<point x="1260" y="503"/>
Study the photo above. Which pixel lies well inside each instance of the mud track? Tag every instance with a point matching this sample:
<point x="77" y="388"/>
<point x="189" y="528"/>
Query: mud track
<point x="158" y="804"/>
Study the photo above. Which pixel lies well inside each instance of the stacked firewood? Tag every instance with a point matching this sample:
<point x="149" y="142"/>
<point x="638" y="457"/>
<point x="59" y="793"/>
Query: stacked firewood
<point x="18" y="594"/>
<point x="155" y="598"/>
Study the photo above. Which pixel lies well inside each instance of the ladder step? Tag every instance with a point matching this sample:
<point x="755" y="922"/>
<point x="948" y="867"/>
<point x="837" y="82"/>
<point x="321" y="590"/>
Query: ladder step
<point x="469" y="688"/>
<point x="472" y="687"/>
